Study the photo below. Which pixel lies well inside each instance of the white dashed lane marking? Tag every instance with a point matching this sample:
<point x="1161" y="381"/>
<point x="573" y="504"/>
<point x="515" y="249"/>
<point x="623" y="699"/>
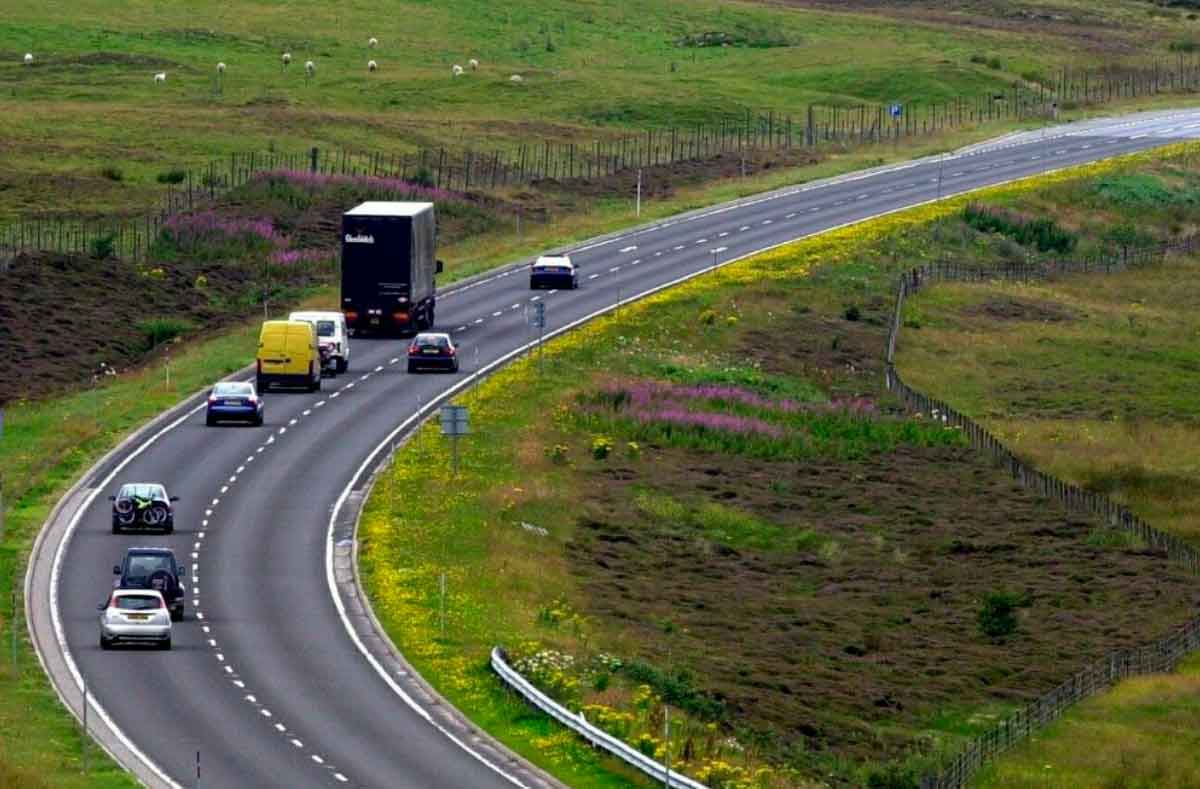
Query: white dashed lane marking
<point x="629" y="248"/>
<point x="297" y="743"/>
<point x="767" y="221"/>
<point x="614" y="269"/>
<point x="535" y="298"/>
<point x="318" y="759"/>
<point x="592" y="276"/>
<point x="722" y="235"/>
<point x="743" y="228"/>
<point x="497" y="313"/>
<point x="676" y="249"/>
<point x="478" y="320"/>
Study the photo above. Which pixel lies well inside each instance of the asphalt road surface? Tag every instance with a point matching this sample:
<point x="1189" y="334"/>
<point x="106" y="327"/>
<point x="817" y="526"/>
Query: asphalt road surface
<point x="263" y="680"/>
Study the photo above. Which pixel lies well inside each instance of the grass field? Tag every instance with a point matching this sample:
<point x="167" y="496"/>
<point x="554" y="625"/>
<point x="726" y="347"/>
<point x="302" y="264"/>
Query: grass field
<point x="86" y="123"/>
<point x="676" y="526"/>
<point x="1093" y="379"/>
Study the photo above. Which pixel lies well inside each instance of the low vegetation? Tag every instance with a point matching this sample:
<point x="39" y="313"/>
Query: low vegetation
<point x="733" y="522"/>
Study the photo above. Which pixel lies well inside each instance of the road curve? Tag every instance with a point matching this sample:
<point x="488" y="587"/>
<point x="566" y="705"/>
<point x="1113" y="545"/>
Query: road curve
<point x="265" y="682"/>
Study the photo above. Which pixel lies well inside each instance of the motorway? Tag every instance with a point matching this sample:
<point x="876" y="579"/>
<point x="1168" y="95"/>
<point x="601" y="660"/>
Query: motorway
<point x="265" y="681"/>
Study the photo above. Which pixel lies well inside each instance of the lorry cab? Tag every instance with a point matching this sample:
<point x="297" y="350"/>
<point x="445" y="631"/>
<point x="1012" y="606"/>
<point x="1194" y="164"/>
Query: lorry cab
<point x="288" y="355"/>
<point x="332" y="333"/>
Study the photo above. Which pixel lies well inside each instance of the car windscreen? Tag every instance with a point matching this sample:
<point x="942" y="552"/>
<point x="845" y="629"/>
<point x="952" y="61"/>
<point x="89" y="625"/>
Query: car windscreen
<point x="325" y="328"/>
<point x="138" y="602"/>
<point x="233" y="390"/>
<point x="144" y="565"/>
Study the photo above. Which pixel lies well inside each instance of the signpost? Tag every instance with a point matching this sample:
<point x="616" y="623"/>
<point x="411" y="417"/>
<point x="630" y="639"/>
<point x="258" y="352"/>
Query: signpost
<point x="537" y="319"/>
<point x="455" y="423"/>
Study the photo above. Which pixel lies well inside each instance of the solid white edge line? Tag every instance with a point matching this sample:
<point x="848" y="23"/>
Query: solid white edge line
<point x="56" y="619"/>
<point x="331" y="579"/>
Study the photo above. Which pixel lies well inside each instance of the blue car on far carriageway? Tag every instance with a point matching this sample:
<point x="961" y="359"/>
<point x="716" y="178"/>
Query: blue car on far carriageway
<point x="234" y="401"/>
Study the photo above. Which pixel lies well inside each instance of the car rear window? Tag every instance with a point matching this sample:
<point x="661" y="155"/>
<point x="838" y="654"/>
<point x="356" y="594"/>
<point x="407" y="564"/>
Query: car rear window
<point x="325" y="328"/>
<point x="232" y="389"/>
<point x="433" y="342"/>
<point x="137" y="602"/>
<point x="145" y="565"/>
<point x="141" y="492"/>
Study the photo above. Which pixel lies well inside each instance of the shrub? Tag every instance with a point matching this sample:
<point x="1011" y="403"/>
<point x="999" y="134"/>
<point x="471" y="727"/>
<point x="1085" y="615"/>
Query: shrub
<point x="634" y="449"/>
<point x="998" y="614"/>
<point x="557" y="454"/>
<point x="1187" y="45"/>
<point x="1042" y="232"/>
<point x="104" y="246"/>
<point x="175" y="176"/>
<point x="602" y="447"/>
<point x="156" y="331"/>
<point x="708" y="317"/>
<point x="113" y="173"/>
<point x="995" y="63"/>
<point x="601" y="682"/>
<point x="424" y="178"/>
<point x="852" y="313"/>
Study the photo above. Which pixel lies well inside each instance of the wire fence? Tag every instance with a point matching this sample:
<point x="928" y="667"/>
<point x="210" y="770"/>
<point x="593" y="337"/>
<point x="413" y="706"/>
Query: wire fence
<point x="1158" y="656"/>
<point x="748" y="134"/>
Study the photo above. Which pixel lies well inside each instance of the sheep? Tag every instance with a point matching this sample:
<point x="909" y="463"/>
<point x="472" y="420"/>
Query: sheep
<point x="515" y="78"/>
<point x="160" y="77"/>
<point x="372" y="65"/>
<point x="372" y="42"/>
<point x="309" y="67"/>
<point x="287" y="58"/>
<point x="28" y="58"/>
<point x="456" y="70"/>
<point x="220" y="68"/>
<point x="474" y="64"/>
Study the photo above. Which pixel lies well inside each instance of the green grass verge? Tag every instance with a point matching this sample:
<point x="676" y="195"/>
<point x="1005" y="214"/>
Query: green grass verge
<point x="47" y="445"/>
<point x="420" y="523"/>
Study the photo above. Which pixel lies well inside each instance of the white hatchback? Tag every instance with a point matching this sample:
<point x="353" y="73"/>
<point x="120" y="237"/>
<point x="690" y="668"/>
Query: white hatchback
<point x="331" y="332"/>
<point x="135" y="616"/>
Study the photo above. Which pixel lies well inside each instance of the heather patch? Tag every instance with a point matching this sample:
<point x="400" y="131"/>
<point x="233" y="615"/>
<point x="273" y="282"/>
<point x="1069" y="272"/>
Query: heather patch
<point x="731" y="419"/>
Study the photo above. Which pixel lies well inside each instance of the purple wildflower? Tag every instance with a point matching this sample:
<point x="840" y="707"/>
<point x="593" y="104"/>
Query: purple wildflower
<point x="708" y="420"/>
<point x="289" y="257"/>
<point x="397" y="187"/>
<point x="205" y="226"/>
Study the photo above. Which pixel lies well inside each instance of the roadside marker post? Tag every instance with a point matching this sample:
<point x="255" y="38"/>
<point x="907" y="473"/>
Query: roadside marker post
<point x="639" y="193"/>
<point x="538" y="321"/>
<point x="455" y="422"/>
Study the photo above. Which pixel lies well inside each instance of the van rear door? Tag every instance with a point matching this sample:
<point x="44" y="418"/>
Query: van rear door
<point x="301" y="347"/>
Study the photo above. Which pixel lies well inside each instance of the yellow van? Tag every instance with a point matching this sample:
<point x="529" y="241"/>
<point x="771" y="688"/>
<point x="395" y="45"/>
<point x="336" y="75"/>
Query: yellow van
<point x="288" y="355"/>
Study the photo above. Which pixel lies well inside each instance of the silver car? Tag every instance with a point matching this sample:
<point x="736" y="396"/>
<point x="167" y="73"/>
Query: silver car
<point x="135" y="615"/>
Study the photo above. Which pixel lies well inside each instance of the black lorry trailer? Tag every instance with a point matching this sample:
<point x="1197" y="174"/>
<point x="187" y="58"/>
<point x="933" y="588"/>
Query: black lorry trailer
<point x="388" y="267"/>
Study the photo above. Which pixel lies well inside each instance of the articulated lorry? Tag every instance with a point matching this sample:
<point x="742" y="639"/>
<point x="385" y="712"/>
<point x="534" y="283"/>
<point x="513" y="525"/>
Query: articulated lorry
<point x="388" y="267"/>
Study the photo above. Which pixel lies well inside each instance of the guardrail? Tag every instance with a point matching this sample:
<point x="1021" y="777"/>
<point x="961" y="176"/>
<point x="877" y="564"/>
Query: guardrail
<point x="593" y="734"/>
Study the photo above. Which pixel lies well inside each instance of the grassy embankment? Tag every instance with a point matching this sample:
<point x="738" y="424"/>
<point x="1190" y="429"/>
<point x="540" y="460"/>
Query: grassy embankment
<point x="635" y="626"/>
<point x="88" y="104"/>
<point x="1094" y="379"/>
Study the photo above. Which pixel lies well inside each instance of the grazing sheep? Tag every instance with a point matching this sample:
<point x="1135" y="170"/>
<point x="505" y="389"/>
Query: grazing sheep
<point x="516" y="78"/>
<point x="372" y="65"/>
<point x="28" y="58"/>
<point x="220" y="68"/>
<point x="287" y="58"/>
<point x="160" y="76"/>
<point x="309" y="67"/>
<point x="372" y="42"/>
<point x="474" y="64"/>
<point x="456" y="70"/>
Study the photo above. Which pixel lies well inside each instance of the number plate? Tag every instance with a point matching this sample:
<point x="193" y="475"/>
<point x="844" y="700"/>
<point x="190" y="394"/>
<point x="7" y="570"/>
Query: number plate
<point x="138" y="617"/>
<point x="374" y="321"/>
<point x="431" y="351"/>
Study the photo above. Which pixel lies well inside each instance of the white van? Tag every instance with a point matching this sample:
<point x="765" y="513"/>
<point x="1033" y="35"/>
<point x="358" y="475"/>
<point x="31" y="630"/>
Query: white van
<point x="331" y="332"/>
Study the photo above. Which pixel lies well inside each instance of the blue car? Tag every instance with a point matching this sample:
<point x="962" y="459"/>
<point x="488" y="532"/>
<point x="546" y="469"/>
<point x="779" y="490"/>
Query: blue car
<point x="234" y="401"/>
